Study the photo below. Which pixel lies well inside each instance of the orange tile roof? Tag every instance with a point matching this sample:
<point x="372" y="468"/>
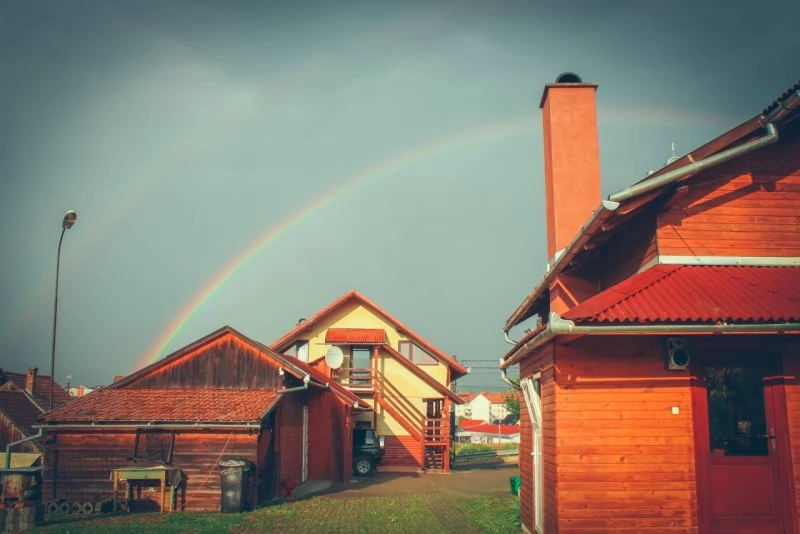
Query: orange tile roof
<point x="169" y="405"/>
<point x="372" y="336"/>
<point x="495" y="398"/>
<point x="41" y="389"/>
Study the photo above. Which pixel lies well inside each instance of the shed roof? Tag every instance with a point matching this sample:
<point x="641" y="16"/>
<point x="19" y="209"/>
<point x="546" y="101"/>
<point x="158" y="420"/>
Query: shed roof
<point x="697" y="294"/>
<point x="20" y="410"/>
<point x="41" y="388"/>
<point x="168" y="405"/>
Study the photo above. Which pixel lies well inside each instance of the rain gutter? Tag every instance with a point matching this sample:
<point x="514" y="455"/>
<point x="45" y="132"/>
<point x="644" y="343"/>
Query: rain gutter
<point x="558" y="326"/>
<point x="23" y="440"/>
<point x="136" y="426"/>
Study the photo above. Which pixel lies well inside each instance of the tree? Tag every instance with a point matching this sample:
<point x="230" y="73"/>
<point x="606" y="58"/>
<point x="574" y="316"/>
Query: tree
<point x="512" y="399"/>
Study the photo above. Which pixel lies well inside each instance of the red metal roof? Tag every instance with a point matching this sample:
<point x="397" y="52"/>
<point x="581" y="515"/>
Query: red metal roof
<point x="469" y="423"/>
<point x="170" y="405"/>
<point x="697" y="294"/>
<point x="373" y="336"/>
<point x="503" y="430"/>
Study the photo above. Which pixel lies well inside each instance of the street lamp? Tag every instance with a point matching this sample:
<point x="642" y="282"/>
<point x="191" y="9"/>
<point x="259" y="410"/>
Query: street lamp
<point x="69" y="219"/>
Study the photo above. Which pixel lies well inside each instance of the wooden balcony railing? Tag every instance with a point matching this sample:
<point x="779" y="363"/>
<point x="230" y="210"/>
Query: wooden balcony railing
<point x="356" y="378"/>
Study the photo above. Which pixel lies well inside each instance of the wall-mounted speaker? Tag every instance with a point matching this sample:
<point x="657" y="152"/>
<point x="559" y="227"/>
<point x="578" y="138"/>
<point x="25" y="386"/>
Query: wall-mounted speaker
<point x="677" y="353"/>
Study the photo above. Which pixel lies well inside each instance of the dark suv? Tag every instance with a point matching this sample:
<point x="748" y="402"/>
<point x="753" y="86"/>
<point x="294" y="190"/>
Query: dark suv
<point x="367" y="451"/>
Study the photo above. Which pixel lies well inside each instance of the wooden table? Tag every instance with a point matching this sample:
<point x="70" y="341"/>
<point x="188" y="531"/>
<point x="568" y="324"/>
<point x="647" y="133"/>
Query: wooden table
<point x="166" y="476"/>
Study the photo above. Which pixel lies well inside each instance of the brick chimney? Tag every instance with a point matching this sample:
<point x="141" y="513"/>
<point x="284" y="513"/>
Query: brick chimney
<point x="30" y="379"/>
<point x="571" y="171"/>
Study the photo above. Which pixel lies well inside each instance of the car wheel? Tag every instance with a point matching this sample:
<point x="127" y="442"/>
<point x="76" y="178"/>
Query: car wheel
<point x="363" y="466"/>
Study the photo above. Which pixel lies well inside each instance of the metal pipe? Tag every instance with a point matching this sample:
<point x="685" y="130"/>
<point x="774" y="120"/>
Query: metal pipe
<point x="558" y="326"/>
<point x="507" y="380"/>
<point x="134" y="426"/>
<point x="697" y="166"/>
<point x="508" y="339"/>
<point x="306" y="380"/>
<point x="55" y="321"/>
<point x="23" y="440"/>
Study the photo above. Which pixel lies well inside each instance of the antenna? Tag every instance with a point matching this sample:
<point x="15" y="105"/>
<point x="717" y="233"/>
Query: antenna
<point x="673" y="158"/>
<point x="334" y="358"/>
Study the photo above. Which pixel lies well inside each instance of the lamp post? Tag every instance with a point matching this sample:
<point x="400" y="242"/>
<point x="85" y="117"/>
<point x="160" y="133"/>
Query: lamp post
<point x="69" y="219"/>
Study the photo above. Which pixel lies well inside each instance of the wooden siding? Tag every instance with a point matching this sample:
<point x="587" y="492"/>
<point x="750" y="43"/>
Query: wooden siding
<point x="791" y="370"/>
<point x="540" y="360"/>
<point x="290" y="437"/>
<point x="9" y="433"/>
<point x="748" y="207"/>
<point x="627" y="252"/>
<point x="225" y="363"/>
<point x="624" y="461"/>
<point x="327" y="433"/>
<point x="402" y="451"/>
<point x="81" y="463"/>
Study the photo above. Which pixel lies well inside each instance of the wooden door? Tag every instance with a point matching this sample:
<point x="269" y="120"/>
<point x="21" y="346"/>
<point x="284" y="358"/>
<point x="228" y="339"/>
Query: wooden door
<point x="741" y="479"/>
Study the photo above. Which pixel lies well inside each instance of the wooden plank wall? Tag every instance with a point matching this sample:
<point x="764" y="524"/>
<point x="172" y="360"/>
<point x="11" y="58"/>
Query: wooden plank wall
<point x="9" y="433"/>
<point x="290" y="436"/>
<point x="82" y="462"/>
<point x="402" y="451"/>
<point x="791" y="369"/>
<point x="226" y="363"/>
<point x="327" y="431"/>
<point x="625" y="462"/>
<point x="626" y="253"/>
<point x="540" y="360"/>
<point x="747" y="207"/>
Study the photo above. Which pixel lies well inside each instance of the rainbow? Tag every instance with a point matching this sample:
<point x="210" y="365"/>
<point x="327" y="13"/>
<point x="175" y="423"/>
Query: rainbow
<point x="385" y="168"/>
<point x="400" y="162"/>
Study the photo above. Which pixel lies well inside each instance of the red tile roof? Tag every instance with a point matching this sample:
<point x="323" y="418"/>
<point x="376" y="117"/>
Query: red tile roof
<point x="18" y="407"/>
<point x="456" y="369"/>
<point x="41" y="389"/>
<point x="495" y="398"/>
<point x="168" y="405"/>
<point x="503" y="430"/>
<point x="467" y="396"/>
<point x="372" y="336"/>
<point x="697" y="294"/>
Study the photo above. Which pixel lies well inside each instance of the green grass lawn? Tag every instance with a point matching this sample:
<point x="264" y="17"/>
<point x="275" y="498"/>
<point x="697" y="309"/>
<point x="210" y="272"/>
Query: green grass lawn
<point x="320" y="514"/>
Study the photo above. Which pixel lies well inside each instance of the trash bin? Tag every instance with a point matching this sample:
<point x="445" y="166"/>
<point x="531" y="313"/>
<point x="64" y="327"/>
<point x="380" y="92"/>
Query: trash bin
<point x="515" y="483"/>
<point x="235" y="475"/>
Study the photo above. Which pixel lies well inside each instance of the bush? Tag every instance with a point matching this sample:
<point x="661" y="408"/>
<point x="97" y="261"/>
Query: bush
<point x="472" y="448"/>
<point x="510" y="446"/>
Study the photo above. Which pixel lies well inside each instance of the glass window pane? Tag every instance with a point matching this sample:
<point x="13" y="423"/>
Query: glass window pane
<point x="737" y="420"/>
<point x="405" y="348"/>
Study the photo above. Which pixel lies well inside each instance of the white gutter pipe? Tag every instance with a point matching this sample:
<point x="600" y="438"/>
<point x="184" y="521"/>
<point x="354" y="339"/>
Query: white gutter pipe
<point x="692" y="168"/>
<point x="504" y="378"/>
<point x="306" y="381"/>
<point x="558" y="326"/>
<point x="23" y="440"/>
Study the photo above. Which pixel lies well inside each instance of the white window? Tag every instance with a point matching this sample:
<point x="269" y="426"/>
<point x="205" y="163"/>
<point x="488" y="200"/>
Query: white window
<point x="412" y="352"/>
<point x="532" y="390"/>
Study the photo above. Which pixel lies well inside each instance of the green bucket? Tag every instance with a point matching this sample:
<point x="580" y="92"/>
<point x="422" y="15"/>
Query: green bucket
<point x="515" y="484"/>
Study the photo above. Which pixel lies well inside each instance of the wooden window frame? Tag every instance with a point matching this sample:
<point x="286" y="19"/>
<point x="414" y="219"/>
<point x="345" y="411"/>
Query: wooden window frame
<point x="144" y="432"/>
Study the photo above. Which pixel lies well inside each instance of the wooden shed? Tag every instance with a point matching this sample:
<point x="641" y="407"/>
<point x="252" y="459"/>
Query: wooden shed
<point x="225" y="396"/>
<point x="661" y="377"/>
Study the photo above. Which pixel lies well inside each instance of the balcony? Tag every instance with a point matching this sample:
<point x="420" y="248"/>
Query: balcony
<point x="357" y="379"/>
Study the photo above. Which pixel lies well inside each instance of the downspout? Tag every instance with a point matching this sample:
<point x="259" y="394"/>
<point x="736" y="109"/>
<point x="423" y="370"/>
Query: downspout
<point x="692" y="168"/>
<point x="507" y="380"/>
<point x="306" y="380"/>
<point x="23" y="440"/>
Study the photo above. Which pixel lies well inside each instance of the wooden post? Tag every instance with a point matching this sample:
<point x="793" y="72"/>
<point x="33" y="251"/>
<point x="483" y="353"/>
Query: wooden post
<point x="446" y="432"/>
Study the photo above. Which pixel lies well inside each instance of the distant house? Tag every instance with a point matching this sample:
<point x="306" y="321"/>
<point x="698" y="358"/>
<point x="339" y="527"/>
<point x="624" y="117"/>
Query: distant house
<point x="661" y="386"/>
<point x="80" y="391"/>
<point x="485" y="406"/>
<point x="23" y="399"/>
<point x="225" y="396"/>
<point x="392" y="369"/>
<point x="485" y="433"/>
<point x="465" y="409"/>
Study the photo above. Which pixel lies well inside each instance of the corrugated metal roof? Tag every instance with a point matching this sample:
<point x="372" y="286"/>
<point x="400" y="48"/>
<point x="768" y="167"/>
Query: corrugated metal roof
<point x="168" y="405"/>
<point x="356" y="335"/>
<point x="784" y="95"/>
<point x="697" y="294"/>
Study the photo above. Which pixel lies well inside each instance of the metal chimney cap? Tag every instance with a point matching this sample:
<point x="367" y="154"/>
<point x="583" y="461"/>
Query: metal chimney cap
<point x="568" y="77"/>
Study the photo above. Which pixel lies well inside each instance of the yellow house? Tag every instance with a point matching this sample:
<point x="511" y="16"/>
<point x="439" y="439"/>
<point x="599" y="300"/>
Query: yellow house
<point x="401" y="376"/>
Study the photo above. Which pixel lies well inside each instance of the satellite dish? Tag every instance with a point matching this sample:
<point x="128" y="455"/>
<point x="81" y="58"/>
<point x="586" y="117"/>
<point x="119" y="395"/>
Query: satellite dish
<point x="334" y="357"/>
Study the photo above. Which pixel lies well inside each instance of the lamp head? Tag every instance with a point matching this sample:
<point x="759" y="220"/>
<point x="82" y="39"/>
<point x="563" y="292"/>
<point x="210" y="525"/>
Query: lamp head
<point x="69" y="219"/>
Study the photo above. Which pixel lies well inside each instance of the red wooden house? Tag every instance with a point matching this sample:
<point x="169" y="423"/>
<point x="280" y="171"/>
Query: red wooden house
<point x="222" y="397"/>
<point x="661" y="384"/>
